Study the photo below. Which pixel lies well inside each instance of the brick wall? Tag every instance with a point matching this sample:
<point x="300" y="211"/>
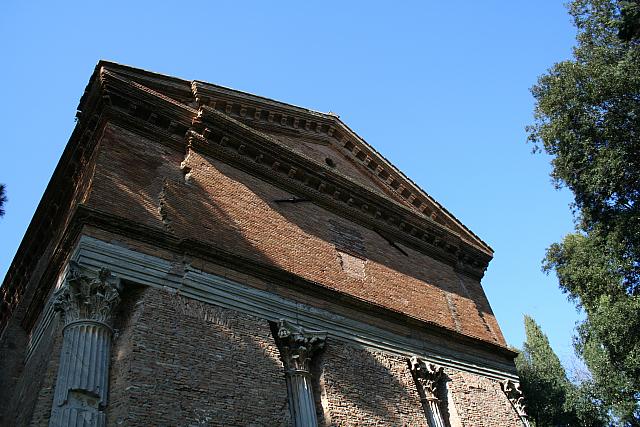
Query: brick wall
<point x="31" y="395"/>
<point x="225" y="207"/>
<point x="480" y="401"/>
<point x="184" y="362"/>
<point x="368" y="388"/>
<point x="177" y="361"/>
<point x="181" y="362"/>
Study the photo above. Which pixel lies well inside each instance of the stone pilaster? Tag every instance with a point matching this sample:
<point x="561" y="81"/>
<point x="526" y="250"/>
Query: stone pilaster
<point x="85" y="301"/>
<point x="428" y="378"/>
<point x="297" y="348"/>
<point x="513" y="392"/>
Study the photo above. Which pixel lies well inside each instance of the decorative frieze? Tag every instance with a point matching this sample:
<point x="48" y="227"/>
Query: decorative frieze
<point x="428" y="378"/>
<point x="297" y="348"/>
<point x="513" y="392"/>
<point x="86" y="303"/>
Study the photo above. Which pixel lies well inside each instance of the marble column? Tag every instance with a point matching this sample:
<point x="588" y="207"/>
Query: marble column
<point x="297" y="348"/>
<point x="86" y="303"/>
<point x="513" y="392"/>
<point x="428" y="378"/>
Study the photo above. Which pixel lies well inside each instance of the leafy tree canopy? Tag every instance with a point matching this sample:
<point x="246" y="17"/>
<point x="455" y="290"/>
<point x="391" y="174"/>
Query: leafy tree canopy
<point x="587" y="116"/>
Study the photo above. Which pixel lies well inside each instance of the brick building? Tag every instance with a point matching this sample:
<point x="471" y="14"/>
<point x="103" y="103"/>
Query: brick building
<point x="205" y="256"/>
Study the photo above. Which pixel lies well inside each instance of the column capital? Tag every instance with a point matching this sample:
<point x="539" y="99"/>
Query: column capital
<point x="428" y="375"/>
<point x="87" y="294"/>
<point x="297" y="346"/>
<point x="514" y="393"/>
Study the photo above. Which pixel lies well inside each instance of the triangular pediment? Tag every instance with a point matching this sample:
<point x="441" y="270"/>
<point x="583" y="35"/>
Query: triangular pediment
<point x="320" y="137"/>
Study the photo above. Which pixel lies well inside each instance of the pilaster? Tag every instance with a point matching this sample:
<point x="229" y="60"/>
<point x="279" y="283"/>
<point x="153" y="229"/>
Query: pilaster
<point x="297" y="348"/>
<point x="513" y="392"/>
<point x="428" y="378"/>
<point x="86" y="303"/>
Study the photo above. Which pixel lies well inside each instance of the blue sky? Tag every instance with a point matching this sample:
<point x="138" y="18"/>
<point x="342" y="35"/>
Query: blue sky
<point x="441" y="89"/>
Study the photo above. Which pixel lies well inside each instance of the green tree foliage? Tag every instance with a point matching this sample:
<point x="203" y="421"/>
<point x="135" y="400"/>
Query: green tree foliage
<point x="630" y="25"/>
<point x="551" y="399"/>
<point x="587" y="117"/>
<point x="3" y="199"/>
<point x="542" y="378"/>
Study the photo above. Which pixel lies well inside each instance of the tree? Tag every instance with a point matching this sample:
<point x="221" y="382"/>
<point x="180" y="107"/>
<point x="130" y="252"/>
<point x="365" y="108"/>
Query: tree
<point x="3" y="199"/>
<point x="630" y="20"/>
<point x="551" y="399"/>
<point x="542" y="378"/>
<point x="587" y="116"/>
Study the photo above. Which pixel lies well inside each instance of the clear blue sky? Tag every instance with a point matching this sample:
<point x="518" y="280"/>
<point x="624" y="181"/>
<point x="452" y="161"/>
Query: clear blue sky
<point x="439" y="88"/>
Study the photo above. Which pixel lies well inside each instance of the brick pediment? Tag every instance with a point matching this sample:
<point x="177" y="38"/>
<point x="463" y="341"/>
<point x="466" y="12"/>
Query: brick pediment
<point x="321" y="139"/>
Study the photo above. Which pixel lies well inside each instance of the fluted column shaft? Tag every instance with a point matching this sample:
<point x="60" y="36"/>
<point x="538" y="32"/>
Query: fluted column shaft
<point x="297" y="348"/>
<point x="428" y="378"/>
<point x="303" y="406"/>
<point x="86" y="302"/>
<point x="434" y="412"/>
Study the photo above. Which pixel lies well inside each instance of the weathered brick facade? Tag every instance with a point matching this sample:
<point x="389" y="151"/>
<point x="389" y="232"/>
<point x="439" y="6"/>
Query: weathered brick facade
<point x="263" y="265"/>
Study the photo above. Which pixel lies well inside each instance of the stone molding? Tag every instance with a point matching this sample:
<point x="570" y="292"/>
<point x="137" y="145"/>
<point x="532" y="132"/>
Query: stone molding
<point x="249" y="148"/>
<point x="113" y="95"/>
<point x="258" y="111"/>
<point x="219" y="136"/>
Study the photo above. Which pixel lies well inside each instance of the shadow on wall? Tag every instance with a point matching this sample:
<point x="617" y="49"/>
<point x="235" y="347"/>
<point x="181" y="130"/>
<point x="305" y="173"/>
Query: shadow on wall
<point x="180" y="360"/>
<point x="176" y="359"/>
<point x="192" y="196"/>
<point x="368" y="388"/>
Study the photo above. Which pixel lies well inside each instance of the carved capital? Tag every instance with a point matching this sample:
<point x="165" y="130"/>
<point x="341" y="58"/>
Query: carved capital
<point x="513" y="392"/>
<point x="298" y="346"/>
<point x="87" y="295"/>
<point x="427" y="375"/>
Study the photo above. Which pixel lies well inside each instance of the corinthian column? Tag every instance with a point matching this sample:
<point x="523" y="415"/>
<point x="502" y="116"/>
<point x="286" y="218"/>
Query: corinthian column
<point x="85" y="301"/>
<point x="297" y="348"/>
<point x="513" y="392"/>
<point x="428" y="377"/>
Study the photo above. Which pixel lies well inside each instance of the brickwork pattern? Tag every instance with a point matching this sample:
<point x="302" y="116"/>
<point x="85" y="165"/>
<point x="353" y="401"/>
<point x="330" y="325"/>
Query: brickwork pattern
<point x="33" y="396"/>
<point x="177" y="361"/>
<point x="369" y="388"/>
<point x="480" y="401"/>
<point x="319" y="151"/>
<point x="225" y="207"/>
<point x="181" y="362"/>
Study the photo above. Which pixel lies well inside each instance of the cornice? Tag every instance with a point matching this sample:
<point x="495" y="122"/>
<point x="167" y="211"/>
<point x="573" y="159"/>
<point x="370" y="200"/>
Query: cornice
<point x="51" y="215"/>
